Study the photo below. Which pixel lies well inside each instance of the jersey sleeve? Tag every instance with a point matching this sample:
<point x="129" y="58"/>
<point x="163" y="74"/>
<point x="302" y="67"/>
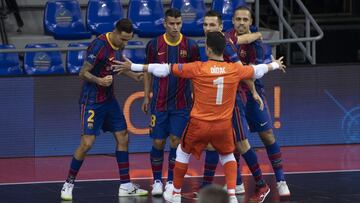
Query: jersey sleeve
<point x="259" y="52"/>
<point x="150" y="54"/>
<point x="244" y="72"/>
<point x="194" y="51"/>
<point x="230" y="52"/>
<point x="186" y="70"/>
<point x="95" y="51"/>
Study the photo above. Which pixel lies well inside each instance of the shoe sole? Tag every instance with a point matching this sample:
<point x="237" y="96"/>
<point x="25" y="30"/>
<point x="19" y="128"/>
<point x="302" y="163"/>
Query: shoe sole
<point x="66" y="199"/>
<point x="157" y="194"/>
<point x="131" y="195"/>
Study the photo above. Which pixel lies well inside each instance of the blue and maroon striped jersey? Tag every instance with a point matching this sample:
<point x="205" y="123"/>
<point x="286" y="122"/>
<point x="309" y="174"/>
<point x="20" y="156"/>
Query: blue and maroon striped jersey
<point x="171" y="92"/>
<point x="252" y="53"/>
<point x="100" y="53"/>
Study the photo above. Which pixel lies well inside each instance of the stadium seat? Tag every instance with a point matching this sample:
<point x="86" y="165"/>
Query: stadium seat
<point x="9" y="62"/>
<point x="75" y="59"/>
<point x="43" y="63"/>
<point x="102" y="15"/>
<point x="192" y="12"/>
<point x="226" y="9"/>
<point x="135" y="55"/>
<point x="147" y="17"/>
<point x="62" y="19"/>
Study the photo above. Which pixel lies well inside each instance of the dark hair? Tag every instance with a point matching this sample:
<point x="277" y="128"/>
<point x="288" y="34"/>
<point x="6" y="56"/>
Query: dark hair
<point x="216" y="41"/>
<point x="124" y="25"/>
<point x="172" y="12"/>
<point x="214" y="194"/>
<point x="244" y="8"/>
<point x="213" y="13"/>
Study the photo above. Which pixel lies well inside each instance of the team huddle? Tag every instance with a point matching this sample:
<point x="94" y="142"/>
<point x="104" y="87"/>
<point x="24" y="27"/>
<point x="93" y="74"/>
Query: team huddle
<point x="228" y="103"/>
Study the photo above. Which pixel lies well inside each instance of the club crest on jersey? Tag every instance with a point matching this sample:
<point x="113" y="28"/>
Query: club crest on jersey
<point x="90" y="125"/>
<point x="183" y="53"/>
<point x="243" y="54"/>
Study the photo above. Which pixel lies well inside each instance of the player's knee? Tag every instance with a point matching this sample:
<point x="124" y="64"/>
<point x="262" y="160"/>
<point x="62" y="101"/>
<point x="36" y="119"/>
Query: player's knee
<point x="243" y="146"/>
<point x="182" y="156"/>
<point x="267" y="137"/>
<point x="226" y="158"/>
<point x="122" y="138"/>
<point x="174" y="141"/>
<point x="159" y="144"/>
<point x="85" y="146"/>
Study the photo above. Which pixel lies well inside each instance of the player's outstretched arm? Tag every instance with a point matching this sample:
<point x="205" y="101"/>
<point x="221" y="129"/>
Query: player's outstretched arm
<point x="249" y="38"/>
<point x="261" y="69"/>
<point x="157" y="69"/>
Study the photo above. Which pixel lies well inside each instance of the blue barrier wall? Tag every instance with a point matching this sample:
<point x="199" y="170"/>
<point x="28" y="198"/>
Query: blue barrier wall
<point x="40" y="115"/>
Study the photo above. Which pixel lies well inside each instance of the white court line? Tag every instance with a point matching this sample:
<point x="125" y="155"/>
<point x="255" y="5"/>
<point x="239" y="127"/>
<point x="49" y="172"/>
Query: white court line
<point x="187" y="176"/>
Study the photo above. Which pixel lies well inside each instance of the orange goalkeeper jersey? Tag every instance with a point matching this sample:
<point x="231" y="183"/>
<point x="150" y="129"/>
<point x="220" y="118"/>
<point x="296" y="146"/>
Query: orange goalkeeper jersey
<point x="215" y="84"/>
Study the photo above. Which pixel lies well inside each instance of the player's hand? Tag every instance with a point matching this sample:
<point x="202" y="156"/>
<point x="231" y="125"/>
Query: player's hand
<point x="145" y="105"/>
<point x="122" y="65"/>
<point x="258" y="100"/>
<point x="280" y="62"/>
<point x="139" y="77"/>
<point x="105" y="81"/>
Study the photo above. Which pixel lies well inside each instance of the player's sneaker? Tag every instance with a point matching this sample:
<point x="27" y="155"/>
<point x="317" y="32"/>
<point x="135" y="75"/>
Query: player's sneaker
<point x="172" y="197"/>
<point x="260" y="194"/>
<point x="283" y="189"/>
<point x="157" y="188"/>
<point x="169" y="185"/>
<point x="66" y="191"/>
<point x="233" y="199"/>
<point x="239" y="190"/>
<point x="131" y="189"/>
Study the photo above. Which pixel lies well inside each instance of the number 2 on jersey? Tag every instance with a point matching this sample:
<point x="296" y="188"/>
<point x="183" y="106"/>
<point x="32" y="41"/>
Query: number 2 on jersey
<point x="219" y="82"/>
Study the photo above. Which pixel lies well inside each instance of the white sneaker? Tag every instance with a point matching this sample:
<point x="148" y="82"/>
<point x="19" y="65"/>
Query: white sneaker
<point x="169" y="185"/>
<point x="66" y="191"/>
<point x="170" y="197"/>
<point x="239" y="189"/>
<point x="233" y="199"/>
<point x="283" y="189"/>
<point x="130" y="189"/>
<point x="157" y="188"/>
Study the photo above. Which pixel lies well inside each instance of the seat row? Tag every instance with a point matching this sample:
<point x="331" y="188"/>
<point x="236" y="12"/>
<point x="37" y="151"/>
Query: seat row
<point x="50" y="62"/>
<point x="62" y="18"/>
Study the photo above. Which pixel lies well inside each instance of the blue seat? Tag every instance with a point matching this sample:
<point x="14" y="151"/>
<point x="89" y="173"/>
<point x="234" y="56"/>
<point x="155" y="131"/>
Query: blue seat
<point x="226" y="9"/>
<point x="192" y="12"/>
<point x="135" y="55"/>
<point x="147" y="17"/>
<point x="62" y="19"/>
<point x="9" y="62"/>
<point x="43" y="63"/>
<point x="102" y="15"/>
<point x="75" y="59"/>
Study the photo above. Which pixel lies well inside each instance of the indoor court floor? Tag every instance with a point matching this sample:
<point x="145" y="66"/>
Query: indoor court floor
<point x="327" y="173"/>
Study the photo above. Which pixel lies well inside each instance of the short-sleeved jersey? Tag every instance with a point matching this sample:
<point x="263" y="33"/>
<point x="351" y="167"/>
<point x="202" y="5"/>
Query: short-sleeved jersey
<point x="99" y="54"/>
<point x="215" y="84"/>
<point x="252" y="53"/>
<point x="171" y="93"/>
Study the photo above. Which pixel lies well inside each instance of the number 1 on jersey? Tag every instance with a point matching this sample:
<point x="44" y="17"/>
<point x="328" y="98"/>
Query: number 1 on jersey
<point x="219" y="82"/>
